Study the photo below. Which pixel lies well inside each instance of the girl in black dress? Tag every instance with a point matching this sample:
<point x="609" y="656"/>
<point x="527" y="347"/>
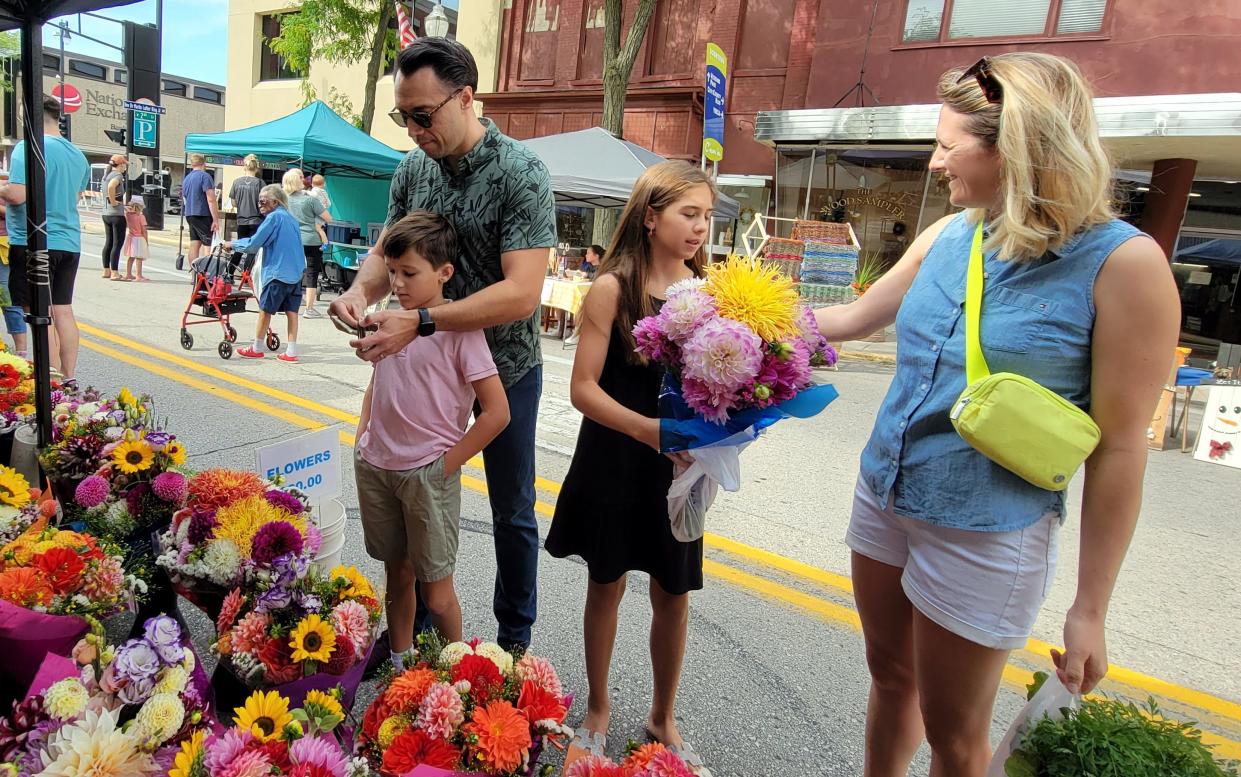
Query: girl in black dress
<point x="612" y="509"/>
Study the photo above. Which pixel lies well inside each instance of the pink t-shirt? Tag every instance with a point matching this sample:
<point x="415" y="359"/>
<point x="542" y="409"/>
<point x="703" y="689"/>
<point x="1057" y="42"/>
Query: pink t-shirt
<point x="422" y="398"/>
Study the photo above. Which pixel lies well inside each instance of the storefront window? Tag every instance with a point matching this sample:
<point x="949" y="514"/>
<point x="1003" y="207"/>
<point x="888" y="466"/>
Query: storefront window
<point x="752" y="195"/>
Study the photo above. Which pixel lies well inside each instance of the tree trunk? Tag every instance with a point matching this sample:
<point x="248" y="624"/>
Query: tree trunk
<point x="378" y="43"/>
<point x="617" y="67"/>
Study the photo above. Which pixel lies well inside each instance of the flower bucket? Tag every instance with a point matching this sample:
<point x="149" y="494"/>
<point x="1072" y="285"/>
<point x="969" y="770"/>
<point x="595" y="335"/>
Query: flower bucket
<point x="330" y="518"/>
<point x="28" y="636"/>
<point x="23" y="457"/>
<point x="231" y="692"/>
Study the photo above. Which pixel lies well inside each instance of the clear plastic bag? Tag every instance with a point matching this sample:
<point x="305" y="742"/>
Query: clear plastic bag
<point x="693" y="491"/>
<point x="1050" y="701"/>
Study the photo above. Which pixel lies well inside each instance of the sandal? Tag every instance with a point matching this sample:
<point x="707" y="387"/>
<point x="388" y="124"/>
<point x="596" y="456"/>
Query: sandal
<point x="585" y="743"/>
<point x="685" y="751"/>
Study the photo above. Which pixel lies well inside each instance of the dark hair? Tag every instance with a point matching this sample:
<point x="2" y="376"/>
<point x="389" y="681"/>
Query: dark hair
<point x="425" y="233"/>
<point x="597" y="250"/>
<point x="451" y="62"/>
<point x="51" y="108"/>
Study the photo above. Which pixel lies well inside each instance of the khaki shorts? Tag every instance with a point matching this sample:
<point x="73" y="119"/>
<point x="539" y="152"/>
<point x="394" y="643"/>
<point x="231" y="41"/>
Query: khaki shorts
<point x="414" y="514"/>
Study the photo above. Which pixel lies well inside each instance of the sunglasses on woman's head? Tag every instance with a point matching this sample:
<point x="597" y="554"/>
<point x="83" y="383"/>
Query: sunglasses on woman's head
<point x="981" y="72"/>
<point x="421" y="118"/>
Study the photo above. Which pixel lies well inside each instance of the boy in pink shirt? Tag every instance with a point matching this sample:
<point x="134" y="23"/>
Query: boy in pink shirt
<point x="412" y="438"/>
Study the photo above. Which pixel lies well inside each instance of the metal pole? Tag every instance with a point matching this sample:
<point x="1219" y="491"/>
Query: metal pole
<point x="805" y="213"/>
<point x="37" y="270"/>
<point x="61" y="68"/>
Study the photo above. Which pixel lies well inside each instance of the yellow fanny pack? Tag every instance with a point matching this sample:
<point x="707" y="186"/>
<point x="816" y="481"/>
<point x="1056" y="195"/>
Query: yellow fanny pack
<point x="1027" y="429"/>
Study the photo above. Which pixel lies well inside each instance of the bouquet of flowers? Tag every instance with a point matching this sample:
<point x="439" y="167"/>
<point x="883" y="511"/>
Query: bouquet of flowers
<point x="737" y="349"/>
<point x="470" y="706"/>
<point x="649" y="760"/>
<point x="20" y="505"/>
<point x="16" y="390"/>
<point x="298" y="630"/>
<point x="270" y="738"/>
<point x="235" y="529"/>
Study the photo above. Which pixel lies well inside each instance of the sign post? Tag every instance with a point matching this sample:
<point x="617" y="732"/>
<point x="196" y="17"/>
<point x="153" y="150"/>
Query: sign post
<point x="310" y="463"/>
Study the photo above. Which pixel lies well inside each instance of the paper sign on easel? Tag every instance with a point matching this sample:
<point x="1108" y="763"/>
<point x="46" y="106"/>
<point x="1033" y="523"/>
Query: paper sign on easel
<point x="310" y="463"/>
<point x="1219" y="439"/>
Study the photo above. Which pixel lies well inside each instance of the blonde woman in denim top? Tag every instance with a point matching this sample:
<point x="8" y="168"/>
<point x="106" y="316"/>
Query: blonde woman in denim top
<point x="952" y="554"/>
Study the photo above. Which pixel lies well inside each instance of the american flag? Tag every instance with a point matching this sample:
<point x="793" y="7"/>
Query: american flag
<point x="403" y="26"/>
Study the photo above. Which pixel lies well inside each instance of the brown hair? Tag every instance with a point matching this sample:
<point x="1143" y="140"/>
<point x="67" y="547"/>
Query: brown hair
<point x="1055" y="176"/>
<point x="629" y="255"/>
<point x="425" y="233"/>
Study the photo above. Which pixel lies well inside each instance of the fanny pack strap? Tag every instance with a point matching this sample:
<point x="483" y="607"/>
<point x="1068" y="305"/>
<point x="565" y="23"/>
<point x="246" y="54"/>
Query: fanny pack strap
<point x="975" y="362"/>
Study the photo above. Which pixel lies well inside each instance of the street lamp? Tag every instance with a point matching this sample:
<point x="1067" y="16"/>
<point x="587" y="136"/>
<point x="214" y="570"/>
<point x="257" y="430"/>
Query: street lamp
<point x="436" y="24"/>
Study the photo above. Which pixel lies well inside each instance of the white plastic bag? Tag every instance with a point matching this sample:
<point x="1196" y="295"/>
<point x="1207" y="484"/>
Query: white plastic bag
<point x="1050" y="701"/>
<point x="693" y="491"/>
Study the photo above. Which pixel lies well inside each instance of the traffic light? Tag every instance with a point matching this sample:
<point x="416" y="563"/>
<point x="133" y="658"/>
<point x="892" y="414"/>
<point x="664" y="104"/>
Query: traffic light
<point x="117" y="136"/>
<point x="64" y="126"/>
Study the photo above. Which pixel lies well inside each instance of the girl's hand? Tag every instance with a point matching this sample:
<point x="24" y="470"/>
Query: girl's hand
<point x="681" y="460"/>
<point x="1084" y="661"/>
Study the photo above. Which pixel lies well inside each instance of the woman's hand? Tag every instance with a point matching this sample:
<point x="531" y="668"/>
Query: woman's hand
<point x="1084" y="661"/>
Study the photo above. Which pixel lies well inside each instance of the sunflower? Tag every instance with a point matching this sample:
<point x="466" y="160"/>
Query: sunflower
<point x="175" y="452"/>
<point x="133" y="456"/>
<point x="323" y="704"/>
<point x="755" y="294"/>
<point x="265" y="715"/>
<point x="189" y="762"/>
<point x="312" y="640"/>
<point x="358" y="584"/>
<point x="26" y="409"/>
<point x="126" y="398"/>
<point x="14" y="488"/>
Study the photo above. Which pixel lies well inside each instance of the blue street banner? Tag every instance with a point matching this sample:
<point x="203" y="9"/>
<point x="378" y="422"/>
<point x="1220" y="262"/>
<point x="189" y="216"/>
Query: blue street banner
<point x="713" y="113"/>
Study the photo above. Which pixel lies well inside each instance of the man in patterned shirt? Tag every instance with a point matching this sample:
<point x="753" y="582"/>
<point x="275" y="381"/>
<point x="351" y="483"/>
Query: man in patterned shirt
<point x="497" y="195"/>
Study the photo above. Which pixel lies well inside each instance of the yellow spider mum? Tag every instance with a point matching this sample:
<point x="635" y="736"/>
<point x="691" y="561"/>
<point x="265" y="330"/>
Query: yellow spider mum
<point x="133" y="456"/>
<point x="322" y="704"/>
<point x="755" y="294"/>
<point x="358" y="584"/>
<point x="265" y="715"/>
<point x="242" y="519"/>
<point x="14" y="488"/>
<point x="312" y="640"/>
<point x="175" y="452"/>
<point x="189" y="761"/>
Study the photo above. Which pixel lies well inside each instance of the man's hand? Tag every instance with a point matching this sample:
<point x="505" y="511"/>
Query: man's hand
<point x="349" y="308"/>
<point x="395" y="329"/>
<point x="215" y="226"/>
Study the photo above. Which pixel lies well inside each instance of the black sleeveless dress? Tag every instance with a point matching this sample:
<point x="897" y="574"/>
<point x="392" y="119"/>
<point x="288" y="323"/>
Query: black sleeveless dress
<point x="613" y="509"/>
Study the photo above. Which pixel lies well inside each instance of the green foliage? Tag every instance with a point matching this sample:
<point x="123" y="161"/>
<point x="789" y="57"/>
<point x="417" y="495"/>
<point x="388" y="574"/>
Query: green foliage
<point x="1113" y="738"/>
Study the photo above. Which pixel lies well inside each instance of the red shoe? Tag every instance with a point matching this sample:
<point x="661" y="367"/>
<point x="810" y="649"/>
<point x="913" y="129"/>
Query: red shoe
<point x="249" y="353"/>
<point x="284" y="357"/>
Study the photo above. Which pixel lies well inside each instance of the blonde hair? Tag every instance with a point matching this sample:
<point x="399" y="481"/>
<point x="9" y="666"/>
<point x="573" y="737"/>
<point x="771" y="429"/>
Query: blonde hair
<point x="293" y="181"/>
<point x="135" y="204"/>
<point x="251" y="164"/>
<point x="197" y="159"/>
<point x="1055" y="176"/>
<point x="274" y="191"/>
<point x="318" y="180"/>
<point x="629" y="255"/>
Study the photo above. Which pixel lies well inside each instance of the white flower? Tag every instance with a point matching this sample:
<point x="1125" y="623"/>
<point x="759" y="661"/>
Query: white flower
<point x="221" y="561"/>
<point x="161" y="716"/>
<point x="81" y="600"/>
<point x="114" y="432"/>
<point x="95" y="746"/>
<point x="358" y="767"/>
<point x="498" y="655"/>
<point x="66" y="698"/>
<point x="689" y="284"/>
<point x="189" y="662"/>
<point x="172" y="680"/>
<point x="452" y="654"/>
<point x="87" y="409"/>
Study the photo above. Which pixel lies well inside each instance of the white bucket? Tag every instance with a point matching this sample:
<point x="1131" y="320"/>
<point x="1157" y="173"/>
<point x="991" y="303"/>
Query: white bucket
<point x="329" y="516"/>
<point x="25" y="457"/>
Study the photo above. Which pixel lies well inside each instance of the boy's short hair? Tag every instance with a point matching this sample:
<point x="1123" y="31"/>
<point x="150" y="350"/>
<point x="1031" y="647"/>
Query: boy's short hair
<point x="427" y="234"/>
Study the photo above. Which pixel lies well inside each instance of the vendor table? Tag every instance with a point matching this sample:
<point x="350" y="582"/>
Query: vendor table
<point x="564" y="295"/>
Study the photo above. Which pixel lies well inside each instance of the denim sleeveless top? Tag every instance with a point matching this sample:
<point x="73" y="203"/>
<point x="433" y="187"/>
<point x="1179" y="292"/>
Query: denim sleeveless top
<point x="1037" y="321"/>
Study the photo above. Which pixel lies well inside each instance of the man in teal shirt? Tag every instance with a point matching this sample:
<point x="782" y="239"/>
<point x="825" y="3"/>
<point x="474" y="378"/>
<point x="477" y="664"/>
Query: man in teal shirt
<point x="68" y="175"/>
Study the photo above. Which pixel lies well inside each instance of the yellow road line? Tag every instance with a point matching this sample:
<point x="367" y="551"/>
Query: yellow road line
<point x="1035" y="648"/>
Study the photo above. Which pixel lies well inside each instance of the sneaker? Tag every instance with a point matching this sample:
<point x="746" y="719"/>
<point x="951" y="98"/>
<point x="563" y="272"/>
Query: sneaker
<point x="284" y="357"/>
<point x="249" y="353"/>
<point x="312" y="313"/>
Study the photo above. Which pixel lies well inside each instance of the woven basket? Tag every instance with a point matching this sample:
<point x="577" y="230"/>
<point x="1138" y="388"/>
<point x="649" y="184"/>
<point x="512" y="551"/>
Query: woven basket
<point x="825" y="231"/>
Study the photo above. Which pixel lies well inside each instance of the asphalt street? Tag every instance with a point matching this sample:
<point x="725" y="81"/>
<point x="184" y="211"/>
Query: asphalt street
<point x="774" y="682"/>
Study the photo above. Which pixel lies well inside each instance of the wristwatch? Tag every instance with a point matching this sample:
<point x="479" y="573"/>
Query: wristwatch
<point x="426" y="324"/>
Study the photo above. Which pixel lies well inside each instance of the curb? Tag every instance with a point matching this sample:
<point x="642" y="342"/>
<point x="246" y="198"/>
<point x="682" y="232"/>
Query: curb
<point x="96" y="228"/>
<point x="864" y="356"/>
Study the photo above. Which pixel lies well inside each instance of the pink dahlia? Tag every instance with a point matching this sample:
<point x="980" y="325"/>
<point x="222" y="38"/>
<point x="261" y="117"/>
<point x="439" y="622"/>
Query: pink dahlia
<point x="170" y="487"/>
<point x="285" y="501"/>
<point x="706" y="403"/>
<point x="222" y="750"/>
<point x="320" y="752"/>
<point x="103" y="579"/>
<point x="684" y="313"/>
<point x="91" y="492"/>
<point x="228" y="610"/>
<point x="441" y="711"/>
<point x="351" y="621"/>
<point x="666" y="764"/>
<point x="252" y="763"/>
<point x="724" y="355"/>
<point x="250" y="633"/>
<point x="313" y="541"/>
<point x="541" y="672"/>
<point x="651" y="341"/>
<point x="275" y="539"/>
<point x="594" y="766"/>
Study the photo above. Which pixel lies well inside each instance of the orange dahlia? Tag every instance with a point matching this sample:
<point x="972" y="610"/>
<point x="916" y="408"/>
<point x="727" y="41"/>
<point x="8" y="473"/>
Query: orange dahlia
<point x="215" y="488"/>
<point x="408" y="690"/>
<point x="537" y="703"/>
<point x="25" y="587"/>
<point x="639" y="758"/>
<point x="62" y="568"/>
<point x="502" y="736"/>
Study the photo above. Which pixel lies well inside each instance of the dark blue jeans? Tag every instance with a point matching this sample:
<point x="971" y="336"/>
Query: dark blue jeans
<point x="509" y="464"/>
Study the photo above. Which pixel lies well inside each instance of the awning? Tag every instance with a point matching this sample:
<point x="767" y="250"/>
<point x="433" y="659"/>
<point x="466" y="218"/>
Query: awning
<point x="1137" y="130"/>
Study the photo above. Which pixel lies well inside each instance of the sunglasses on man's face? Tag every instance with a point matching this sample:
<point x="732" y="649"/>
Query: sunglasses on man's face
<point x="421" y="118"/>
<point x="981" y="72"/>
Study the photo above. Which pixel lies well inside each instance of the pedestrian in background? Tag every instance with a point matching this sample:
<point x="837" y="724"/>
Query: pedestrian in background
<point x="14" y="318"/>
<point x="318" y="189"/>
<point x="136" y="249"/>
<point x="952" y="553"/>
<point x="114" y="216"/>
<point x="618" y="522"/>
<point x="308" y="211"/>
<point x="198" y="203"/>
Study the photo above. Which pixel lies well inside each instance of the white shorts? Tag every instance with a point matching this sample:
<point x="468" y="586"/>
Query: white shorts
<point x="986" y="587"/>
